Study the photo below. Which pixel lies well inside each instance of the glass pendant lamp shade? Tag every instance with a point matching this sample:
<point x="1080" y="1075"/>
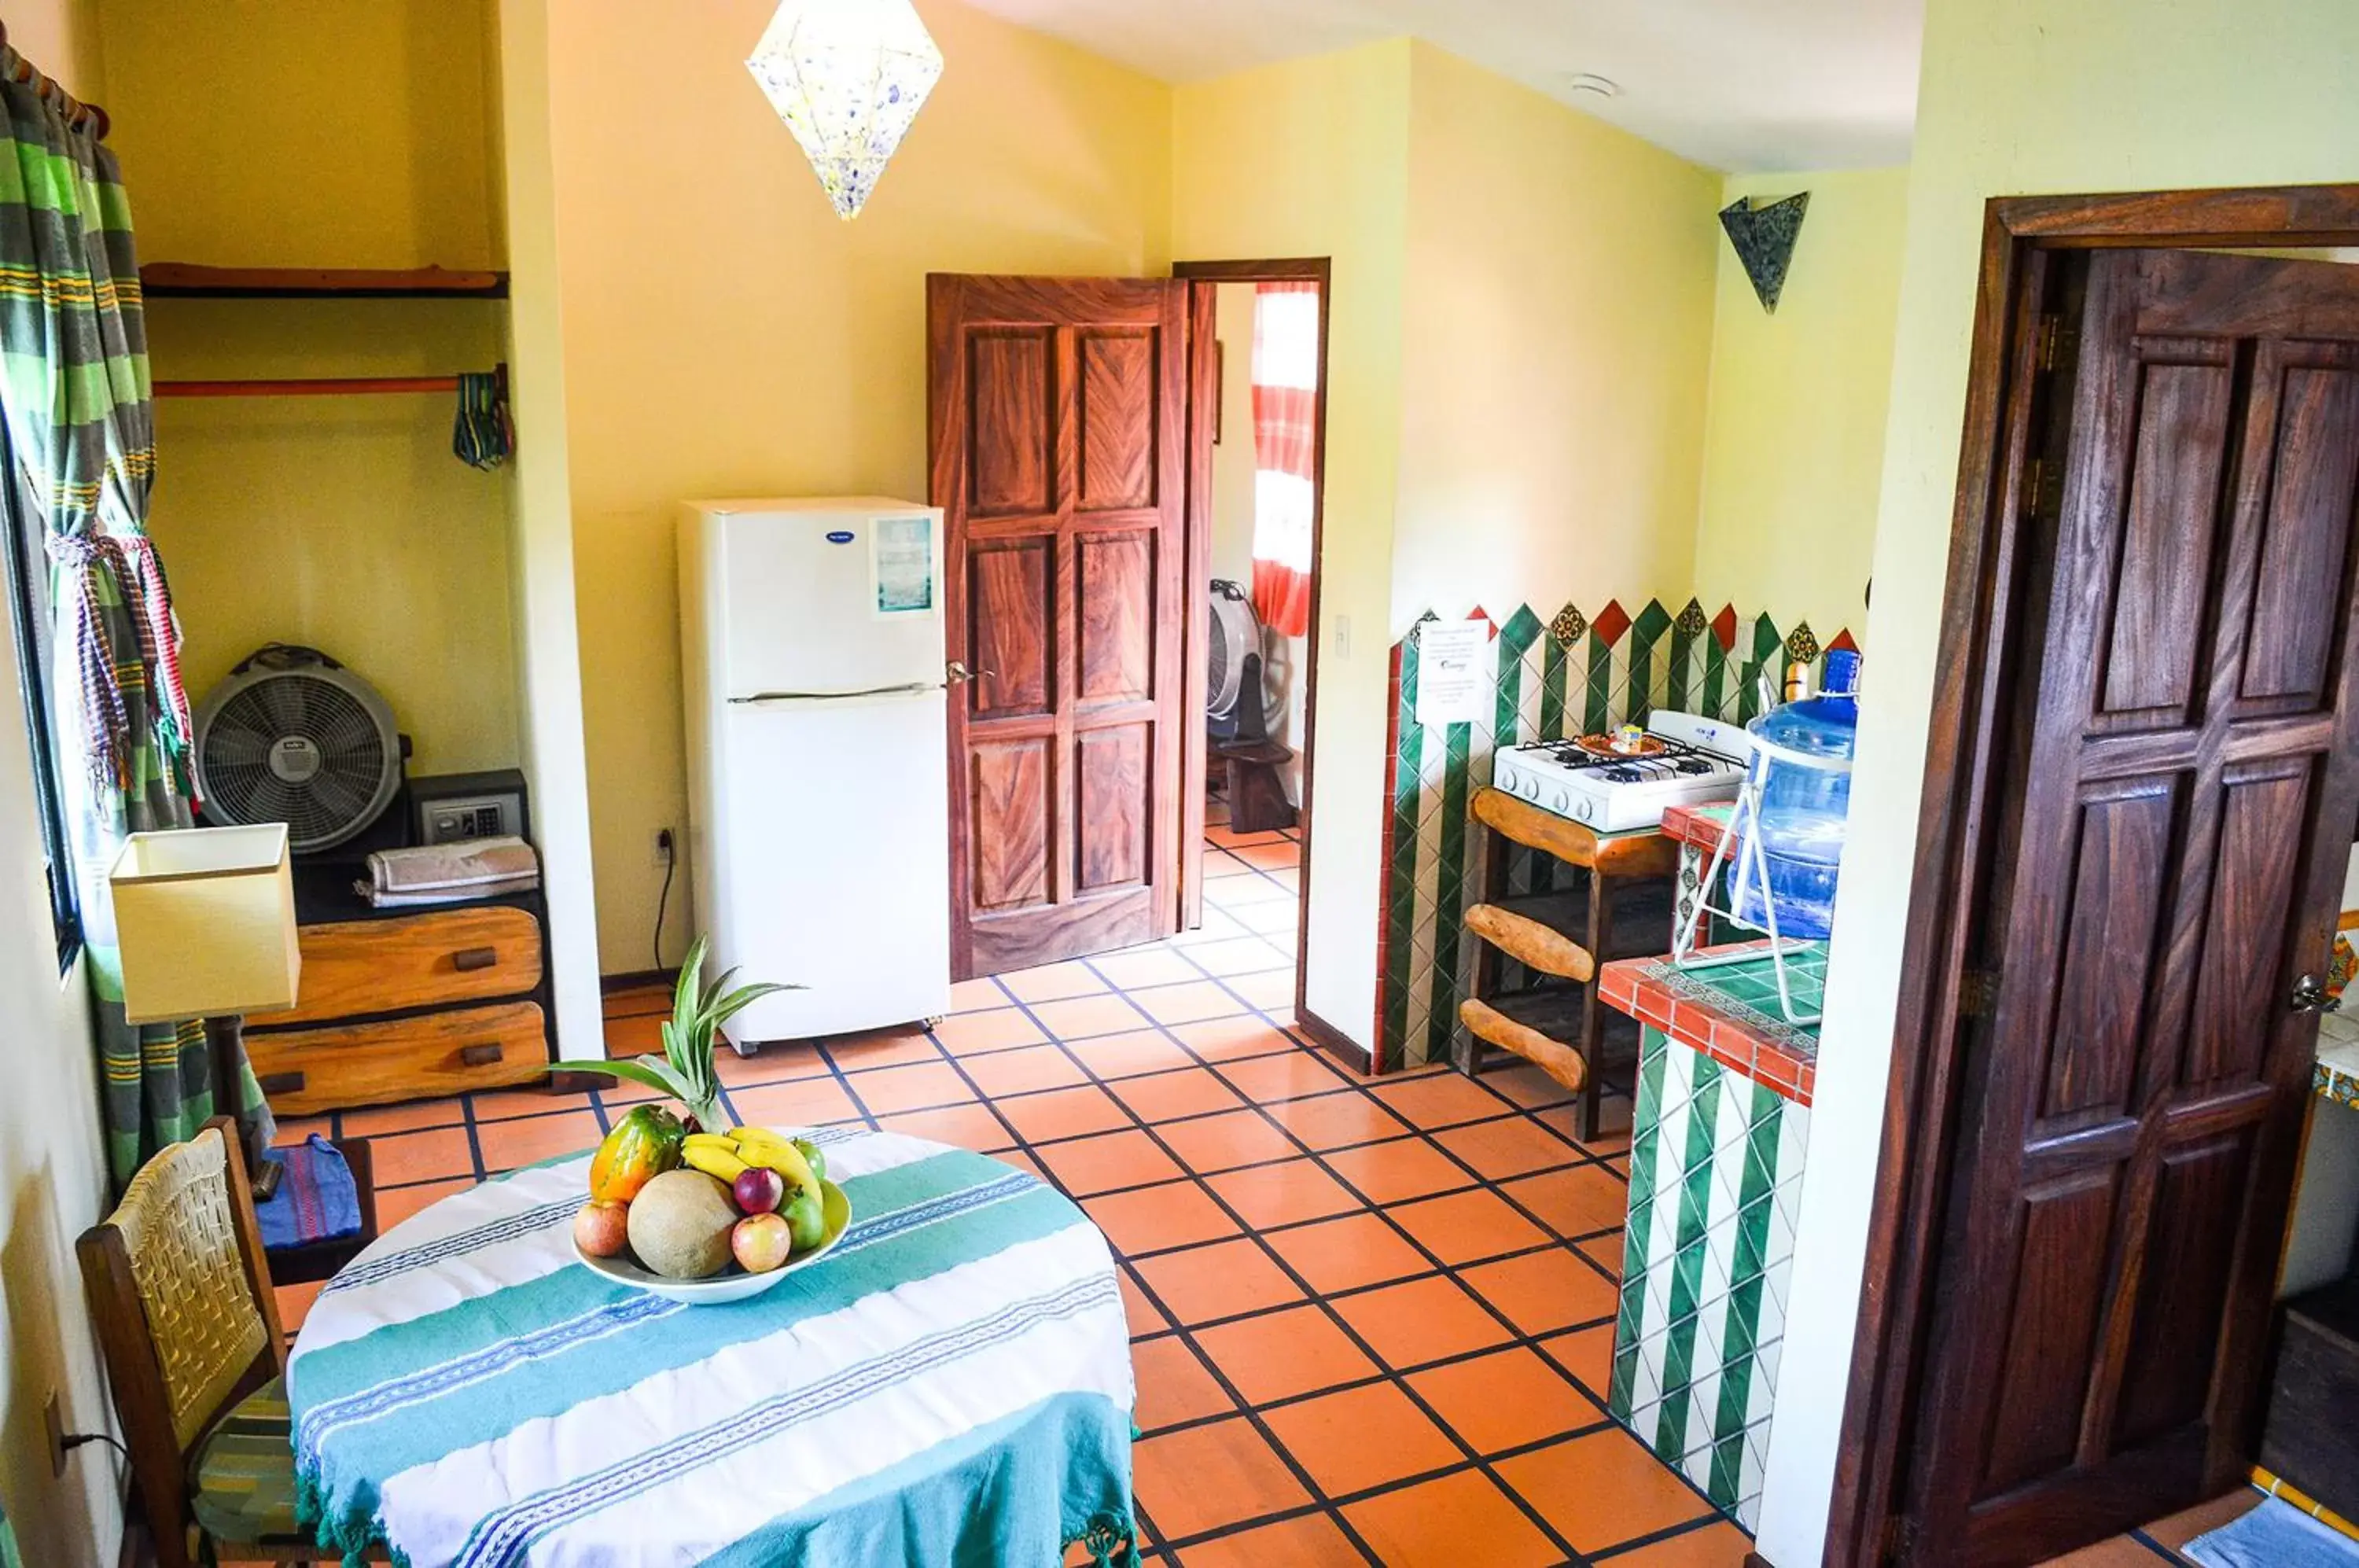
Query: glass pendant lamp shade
<point x="848" y="77"/>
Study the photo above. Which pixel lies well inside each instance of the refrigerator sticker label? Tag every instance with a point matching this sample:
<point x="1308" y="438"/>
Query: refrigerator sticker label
<point x="901" y="558"/>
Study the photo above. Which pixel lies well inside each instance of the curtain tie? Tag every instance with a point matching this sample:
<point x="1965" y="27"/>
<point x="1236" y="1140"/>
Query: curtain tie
<point x="88" y="561"/>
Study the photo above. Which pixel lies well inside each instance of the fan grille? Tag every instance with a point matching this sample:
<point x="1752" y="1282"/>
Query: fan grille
<point x="298" y="749"/>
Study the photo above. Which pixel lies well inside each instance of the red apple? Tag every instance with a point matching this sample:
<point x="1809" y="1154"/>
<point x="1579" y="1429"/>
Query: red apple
<point x="602" y="1229"/>
<point x="762" y="1242"/>
<point x="759" y="1190"/>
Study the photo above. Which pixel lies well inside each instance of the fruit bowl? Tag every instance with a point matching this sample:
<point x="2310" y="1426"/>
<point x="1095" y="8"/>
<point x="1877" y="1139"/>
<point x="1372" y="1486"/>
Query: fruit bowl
<point x="735" y="1284"/>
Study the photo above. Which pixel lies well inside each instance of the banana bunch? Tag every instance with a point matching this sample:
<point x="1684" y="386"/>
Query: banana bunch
<point x="729" y="1155"/>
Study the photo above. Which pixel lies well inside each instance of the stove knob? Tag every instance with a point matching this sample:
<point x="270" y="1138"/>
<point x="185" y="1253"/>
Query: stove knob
<point x="1559" y="802"/>
<point x="1582" y="809"/>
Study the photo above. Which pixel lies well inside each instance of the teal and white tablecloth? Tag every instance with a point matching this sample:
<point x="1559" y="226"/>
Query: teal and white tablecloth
<point x="951" y="1384"/>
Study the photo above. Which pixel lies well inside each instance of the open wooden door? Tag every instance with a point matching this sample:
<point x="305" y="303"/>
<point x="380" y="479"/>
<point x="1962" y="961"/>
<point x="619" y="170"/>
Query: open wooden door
<point x="2182" y="801"/>
<point x="1058" y="426"/>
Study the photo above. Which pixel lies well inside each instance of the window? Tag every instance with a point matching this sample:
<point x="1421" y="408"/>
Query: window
<point x="29" y="619"/>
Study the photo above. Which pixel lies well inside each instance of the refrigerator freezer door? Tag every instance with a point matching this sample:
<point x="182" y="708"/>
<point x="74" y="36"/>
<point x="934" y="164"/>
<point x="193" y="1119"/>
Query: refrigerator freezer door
<point x="835" y="873"/>
<point x="822" y="603"/>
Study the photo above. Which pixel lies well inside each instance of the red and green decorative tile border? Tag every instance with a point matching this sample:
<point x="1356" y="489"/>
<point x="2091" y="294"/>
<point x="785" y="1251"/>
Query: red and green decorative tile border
<point x="1568" y="675"/>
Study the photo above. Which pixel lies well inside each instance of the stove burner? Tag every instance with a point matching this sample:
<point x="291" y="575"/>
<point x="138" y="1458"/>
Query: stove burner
<point x="1677" y="759"/>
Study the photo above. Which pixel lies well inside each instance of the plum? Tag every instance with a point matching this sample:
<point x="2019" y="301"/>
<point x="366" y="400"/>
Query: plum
<point x="759" y="1190"/>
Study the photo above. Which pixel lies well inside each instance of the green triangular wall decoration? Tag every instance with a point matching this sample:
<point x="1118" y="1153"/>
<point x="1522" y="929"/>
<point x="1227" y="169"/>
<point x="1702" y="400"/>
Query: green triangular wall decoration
<point x="1764" y="238"/>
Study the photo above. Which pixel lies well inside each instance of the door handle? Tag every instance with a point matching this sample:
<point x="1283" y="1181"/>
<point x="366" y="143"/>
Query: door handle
<point x="2309" y="996"/>
<point x="480" y="1055"/>
<point x="958" y="674"/>
<point x="468" y="960"/>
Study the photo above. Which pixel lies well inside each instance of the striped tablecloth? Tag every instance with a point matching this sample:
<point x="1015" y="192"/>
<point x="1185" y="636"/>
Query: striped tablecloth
<point x="952" y="1384"/>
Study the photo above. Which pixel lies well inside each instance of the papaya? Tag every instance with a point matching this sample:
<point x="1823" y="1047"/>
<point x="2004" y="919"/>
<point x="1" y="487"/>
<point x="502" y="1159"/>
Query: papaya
<point x="643" y="1146"/>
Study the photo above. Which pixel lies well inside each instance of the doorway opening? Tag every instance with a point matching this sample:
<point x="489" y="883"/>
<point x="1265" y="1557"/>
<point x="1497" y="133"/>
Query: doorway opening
<point x="1257" y="404"/>
<point x="2141" y="787"/>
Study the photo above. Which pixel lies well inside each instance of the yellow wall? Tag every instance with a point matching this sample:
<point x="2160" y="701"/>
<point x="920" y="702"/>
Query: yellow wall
<point x="724" y="334"/>
<point x="1557" y="325"/>
<point x="349" y="133"/>
<point x="1311" y="159"/>
<point x="52" y="1163"/>
<point x="1794" y="444"/>
<point x="2019" y="97"/>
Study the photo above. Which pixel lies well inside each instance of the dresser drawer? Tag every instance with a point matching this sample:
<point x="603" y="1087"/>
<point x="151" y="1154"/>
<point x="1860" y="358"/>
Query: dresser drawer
<point x="416" y="960"/>
<point x="307" y="1071"/>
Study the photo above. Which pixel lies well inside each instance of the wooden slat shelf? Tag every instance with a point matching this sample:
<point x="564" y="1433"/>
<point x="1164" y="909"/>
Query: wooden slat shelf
<point x="1537" y="1026"/>
<point x="184" y="280"/>
<point x="1623" y="854"/>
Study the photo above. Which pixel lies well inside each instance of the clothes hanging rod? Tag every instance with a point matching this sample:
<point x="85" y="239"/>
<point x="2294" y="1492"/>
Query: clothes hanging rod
<point x="78" y="115"/>
<point x="334" y="386"/>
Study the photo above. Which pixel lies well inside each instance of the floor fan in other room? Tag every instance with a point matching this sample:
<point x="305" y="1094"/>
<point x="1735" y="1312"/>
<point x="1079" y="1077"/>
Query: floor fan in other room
<point x="1237" y="717"/>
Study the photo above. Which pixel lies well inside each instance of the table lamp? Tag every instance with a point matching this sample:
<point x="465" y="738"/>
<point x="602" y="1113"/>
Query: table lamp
<point x="204" y="920"/>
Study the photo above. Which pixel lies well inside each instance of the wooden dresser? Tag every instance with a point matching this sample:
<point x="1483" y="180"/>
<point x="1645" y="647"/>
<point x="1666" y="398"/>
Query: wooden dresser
<point x="404" y="1003"/>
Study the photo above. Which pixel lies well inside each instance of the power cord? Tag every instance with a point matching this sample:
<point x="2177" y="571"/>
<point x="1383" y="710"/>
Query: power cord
<point x="74" y="1440"/>
<point x="671" y="864"/>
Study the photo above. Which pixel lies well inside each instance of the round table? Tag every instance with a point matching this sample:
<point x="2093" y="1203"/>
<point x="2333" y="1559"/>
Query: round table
<point x="951" y="1383"/>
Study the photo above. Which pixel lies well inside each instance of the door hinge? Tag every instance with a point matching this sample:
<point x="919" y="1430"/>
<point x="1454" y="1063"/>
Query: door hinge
<point x="1977" y="993"/>
<point x="2043" y="488"/>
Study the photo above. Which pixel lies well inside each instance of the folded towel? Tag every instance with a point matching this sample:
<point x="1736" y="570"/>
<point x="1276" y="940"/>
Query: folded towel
<point x="2275" y="1535"/>
<point x="317" y="1198"/>
<point x="463" y="862"/>
<point x="377" y="899"/>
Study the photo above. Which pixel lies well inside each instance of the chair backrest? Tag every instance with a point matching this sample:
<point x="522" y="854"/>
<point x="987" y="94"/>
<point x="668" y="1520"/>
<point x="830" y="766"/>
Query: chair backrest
<point x="186" y="1318"/>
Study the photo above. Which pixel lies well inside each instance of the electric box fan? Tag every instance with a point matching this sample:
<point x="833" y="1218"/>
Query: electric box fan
<point x="1236" y="696"/>
<point x="292" y="737"/>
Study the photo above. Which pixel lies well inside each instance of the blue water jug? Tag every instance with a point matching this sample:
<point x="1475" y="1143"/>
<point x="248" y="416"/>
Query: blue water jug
<point x="1803" y="806"/>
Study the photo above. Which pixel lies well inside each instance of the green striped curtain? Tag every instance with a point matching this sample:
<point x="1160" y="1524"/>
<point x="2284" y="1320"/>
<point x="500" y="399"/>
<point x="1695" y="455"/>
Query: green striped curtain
<point x="74" y="387"/>
<point x="8" y="1556"/>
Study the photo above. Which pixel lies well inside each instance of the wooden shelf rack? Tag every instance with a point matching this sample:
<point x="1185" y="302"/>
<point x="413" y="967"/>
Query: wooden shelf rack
<point x="1620" y="906"/>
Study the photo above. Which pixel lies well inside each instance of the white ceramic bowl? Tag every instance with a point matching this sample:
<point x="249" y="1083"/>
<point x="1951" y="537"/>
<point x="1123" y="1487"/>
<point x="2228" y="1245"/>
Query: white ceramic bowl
<point x="735" y="1285"/>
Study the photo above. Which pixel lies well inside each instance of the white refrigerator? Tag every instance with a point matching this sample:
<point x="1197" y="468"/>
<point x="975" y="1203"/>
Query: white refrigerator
<point x="819" y="813"/>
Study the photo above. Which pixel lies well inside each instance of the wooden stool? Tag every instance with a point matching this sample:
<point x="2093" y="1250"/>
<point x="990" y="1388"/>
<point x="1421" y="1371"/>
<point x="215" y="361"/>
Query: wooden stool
<point x="1258" y="801"/>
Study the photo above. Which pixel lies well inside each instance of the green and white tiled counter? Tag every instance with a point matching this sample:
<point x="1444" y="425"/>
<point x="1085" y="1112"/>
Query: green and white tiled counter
<point x="1718" y="1136"/>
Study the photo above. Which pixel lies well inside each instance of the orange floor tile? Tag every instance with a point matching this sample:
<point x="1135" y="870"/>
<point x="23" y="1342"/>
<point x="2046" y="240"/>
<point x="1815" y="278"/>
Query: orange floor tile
<point x="1371" y="1319"/>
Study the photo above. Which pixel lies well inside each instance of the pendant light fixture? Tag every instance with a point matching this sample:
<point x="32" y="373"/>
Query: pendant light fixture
<point x="848" y="77"/>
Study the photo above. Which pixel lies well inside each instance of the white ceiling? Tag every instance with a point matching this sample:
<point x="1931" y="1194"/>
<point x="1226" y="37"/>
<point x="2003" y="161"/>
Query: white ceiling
<point x="1741" y="85"/>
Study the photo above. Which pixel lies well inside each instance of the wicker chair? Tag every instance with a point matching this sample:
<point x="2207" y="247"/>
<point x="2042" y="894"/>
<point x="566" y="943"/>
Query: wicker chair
<point x="189" y="1325"/>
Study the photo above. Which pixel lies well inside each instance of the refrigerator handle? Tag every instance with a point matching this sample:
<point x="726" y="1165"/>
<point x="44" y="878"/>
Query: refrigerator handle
<point x="958" y="674"/>
<point x="905" y="689"/>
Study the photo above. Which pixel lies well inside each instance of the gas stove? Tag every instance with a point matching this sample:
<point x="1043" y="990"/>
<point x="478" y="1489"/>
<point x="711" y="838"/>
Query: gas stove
<point x="1686" y="760"/>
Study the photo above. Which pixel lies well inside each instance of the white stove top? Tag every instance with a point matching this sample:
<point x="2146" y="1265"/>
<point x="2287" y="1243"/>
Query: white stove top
<point x="1701" y="759"/>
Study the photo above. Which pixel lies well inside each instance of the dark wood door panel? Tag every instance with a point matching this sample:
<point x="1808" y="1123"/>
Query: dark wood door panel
<point x="1057" y="413"/>
<point x="1012" y="618"/>
<point x="1011" y="421"/>
<point x="2299" y="592"/>
<point x="2184" y="796"/>
<point x="1117" y="592"/>
<point x="1117" y="432"/>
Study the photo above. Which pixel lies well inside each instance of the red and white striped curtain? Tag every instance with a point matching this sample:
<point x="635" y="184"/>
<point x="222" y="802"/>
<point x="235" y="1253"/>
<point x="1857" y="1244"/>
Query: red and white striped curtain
<point x="1285" y="403"/>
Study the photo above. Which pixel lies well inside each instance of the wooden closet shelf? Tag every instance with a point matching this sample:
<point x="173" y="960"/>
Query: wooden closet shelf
<point x="1615" y="855"/>
<point x="184" y="280"/>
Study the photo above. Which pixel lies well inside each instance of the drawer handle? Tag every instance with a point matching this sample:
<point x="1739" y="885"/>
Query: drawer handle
<point x="481" y="1055"/>
<point x="468" y="960"/>
<point x="280" y="1083"/>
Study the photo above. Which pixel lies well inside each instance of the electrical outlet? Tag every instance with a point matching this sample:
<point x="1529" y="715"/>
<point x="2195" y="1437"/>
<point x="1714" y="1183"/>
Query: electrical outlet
<point x="661" y="848"/>
<point x="53" y="1422"/>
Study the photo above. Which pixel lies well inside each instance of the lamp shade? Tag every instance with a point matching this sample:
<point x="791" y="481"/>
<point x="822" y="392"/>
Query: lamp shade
<point x="205" y="920"/>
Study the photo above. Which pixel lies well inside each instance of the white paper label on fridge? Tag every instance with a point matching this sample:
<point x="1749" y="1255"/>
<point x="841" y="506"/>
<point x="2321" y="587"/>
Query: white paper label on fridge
<point x="1453" y="672"/>
<point x="901" y="556"/>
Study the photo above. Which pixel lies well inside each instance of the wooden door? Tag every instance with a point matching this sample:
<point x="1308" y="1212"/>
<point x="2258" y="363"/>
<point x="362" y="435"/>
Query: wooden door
<point x="1058" y="421"/>
<point x="2182" y="800"/>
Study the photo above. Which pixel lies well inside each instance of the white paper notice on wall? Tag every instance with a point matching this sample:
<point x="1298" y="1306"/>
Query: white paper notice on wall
<point x="901" y="561"/>
<point x="1454" y="683"/>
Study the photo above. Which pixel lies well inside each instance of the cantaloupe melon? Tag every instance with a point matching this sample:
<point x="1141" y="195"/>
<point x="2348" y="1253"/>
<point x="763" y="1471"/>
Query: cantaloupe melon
<point x="681" y="1223"/>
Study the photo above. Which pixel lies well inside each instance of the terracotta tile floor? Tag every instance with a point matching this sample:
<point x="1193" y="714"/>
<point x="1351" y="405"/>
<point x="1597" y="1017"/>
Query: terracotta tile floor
<point x="1371" y="1323"/>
